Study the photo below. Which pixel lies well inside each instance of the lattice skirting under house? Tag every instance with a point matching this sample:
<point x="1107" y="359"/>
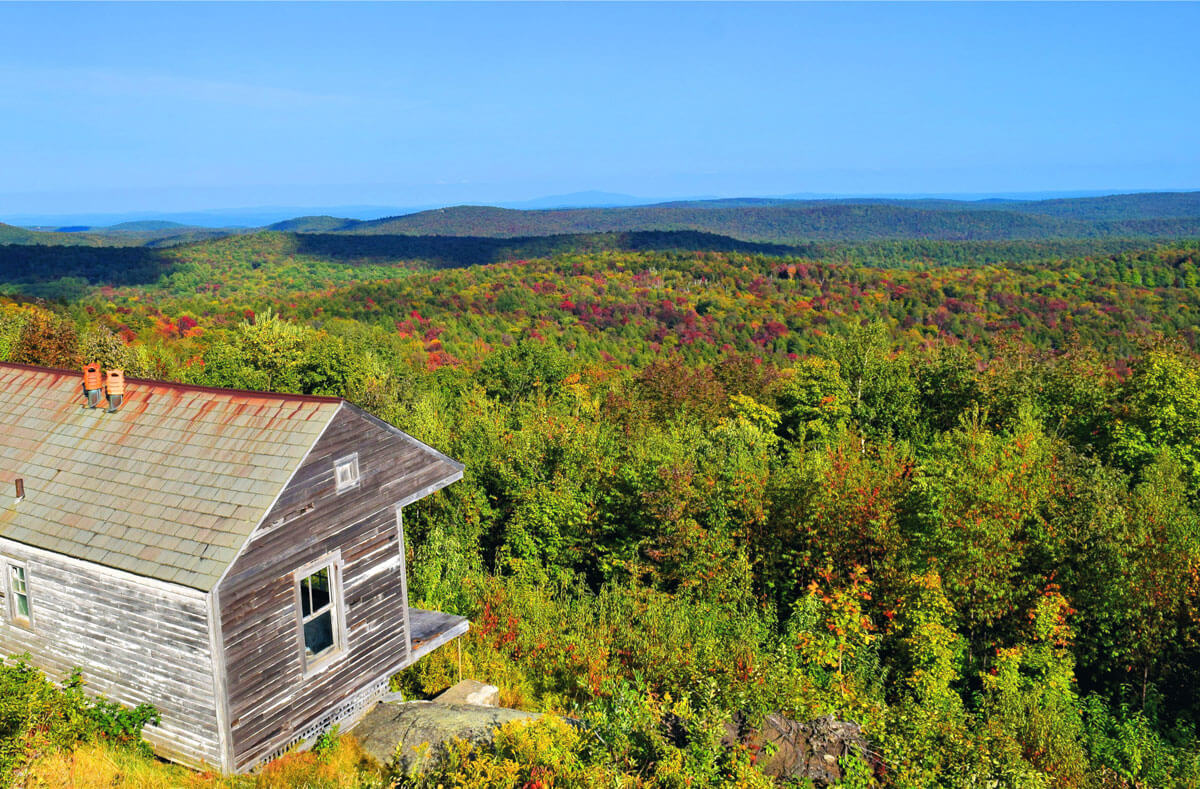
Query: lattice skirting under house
<point x="348" y="712"/>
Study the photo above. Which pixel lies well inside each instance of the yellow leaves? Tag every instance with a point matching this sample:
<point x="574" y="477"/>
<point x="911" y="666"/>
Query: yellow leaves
<point x="749" y="411"/>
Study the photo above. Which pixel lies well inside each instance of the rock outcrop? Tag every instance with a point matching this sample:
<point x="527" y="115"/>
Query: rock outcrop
<point x="470" y="691"/>
<point x="412" y="732"/>
<point x="803" y="751"/>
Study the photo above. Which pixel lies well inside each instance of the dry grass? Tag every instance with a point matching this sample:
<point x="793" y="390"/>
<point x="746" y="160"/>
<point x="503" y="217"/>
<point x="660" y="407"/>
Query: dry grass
<point x="345" y="766"/>
<point x="97" y="766"/>
<point x="94" y="765"/>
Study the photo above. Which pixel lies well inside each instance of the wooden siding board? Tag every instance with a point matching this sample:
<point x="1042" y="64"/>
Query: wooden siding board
<point x="134" y="643"/>
<point x="270" y="697"/>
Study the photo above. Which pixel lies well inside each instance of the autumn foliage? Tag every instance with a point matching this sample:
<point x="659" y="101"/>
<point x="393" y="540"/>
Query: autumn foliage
<point x="951" y="496"/>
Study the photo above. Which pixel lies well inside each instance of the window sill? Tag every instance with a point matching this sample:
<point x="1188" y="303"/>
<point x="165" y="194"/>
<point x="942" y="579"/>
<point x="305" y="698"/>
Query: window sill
<point x="314" y="666"/>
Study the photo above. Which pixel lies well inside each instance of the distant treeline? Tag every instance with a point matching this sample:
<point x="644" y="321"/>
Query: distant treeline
<point x="790" y="222"/>
<point x="1163" y="215"/>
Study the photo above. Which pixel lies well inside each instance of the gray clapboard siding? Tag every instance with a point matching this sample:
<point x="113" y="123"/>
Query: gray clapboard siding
<point x="135" y="639"/>
<point x="269" y="696"/>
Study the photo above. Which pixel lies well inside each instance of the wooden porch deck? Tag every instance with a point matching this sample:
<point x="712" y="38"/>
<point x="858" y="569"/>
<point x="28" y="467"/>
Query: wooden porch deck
<point x="431" y="629"/>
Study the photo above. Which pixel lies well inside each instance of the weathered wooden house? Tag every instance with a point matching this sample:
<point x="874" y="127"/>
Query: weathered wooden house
<point x="235" y="559"/>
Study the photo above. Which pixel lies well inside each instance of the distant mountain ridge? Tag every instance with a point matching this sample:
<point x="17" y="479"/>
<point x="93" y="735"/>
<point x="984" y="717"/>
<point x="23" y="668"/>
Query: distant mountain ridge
<point x="129" y="234"/>
<point x="1163" y="215"/>
<point x="314" y="224"/>
<point x="11" y="234"/>
<point x="1168" y="214"/>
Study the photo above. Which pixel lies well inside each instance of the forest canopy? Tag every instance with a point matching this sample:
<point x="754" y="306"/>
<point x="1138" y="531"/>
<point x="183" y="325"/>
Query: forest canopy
<point x="948" y="491"/>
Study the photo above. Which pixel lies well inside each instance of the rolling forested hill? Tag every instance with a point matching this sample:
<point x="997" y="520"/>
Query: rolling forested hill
<point x="1121" y="207"/>
<point x="314" y="224"/>
<point x="65" y="271"/>
<point x="1116" y="208"/>
<point x="128" y="234"/>
<point x="1164" y="215"/>
<point x="692" y="292"/>
<point x="10" y="234"/>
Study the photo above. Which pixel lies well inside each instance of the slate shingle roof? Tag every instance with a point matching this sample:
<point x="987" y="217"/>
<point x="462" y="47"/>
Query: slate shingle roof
<point x="169" y="487"/>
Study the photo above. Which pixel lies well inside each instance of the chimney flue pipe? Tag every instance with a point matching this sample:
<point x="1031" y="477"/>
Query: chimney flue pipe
<point x="115" y="384"/>
<point x="93" y="385"/>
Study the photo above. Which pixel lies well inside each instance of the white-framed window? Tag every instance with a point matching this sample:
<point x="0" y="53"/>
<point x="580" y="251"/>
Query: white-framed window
<point x="19" y="609"/>
<point x="320" y="611"/>
<point x="345" y="472"/>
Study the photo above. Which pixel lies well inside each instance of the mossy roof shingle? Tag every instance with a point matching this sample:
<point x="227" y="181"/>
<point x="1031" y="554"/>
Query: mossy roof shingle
<point x="168" y="487"/>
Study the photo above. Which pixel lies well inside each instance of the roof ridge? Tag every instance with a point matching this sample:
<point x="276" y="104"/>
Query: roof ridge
<point x="182" y="386"/>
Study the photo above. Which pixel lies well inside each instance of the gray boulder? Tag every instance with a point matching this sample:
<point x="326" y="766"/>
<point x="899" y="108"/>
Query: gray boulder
<point x="399" y="731"/>
<point x="470" y="691"/>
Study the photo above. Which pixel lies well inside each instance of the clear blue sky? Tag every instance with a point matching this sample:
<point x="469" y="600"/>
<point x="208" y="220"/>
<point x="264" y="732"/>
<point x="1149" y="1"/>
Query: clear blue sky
<point x="181" y="106"/>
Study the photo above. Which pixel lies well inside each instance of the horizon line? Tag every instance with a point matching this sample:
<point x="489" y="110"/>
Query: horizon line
<point x="37" y="219"/>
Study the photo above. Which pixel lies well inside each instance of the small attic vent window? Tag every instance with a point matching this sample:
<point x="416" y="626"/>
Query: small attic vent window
<point x="345" y="472"/>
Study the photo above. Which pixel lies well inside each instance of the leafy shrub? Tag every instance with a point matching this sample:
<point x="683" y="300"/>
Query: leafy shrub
<point x="1127" y="750"/>
<point x="47" y="339"/>
<point x="38" y="717"/>
<point x="550" y="752"/>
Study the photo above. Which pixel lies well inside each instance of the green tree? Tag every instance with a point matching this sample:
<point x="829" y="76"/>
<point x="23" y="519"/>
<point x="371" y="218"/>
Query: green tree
<point x="883" y="395"/>
<point x="1158" y="409"/>
<point x="979" y="500"/>
<point x="274" y="355"/>
<point x="1031" y="713"/>
<point x="814" y="402"/>
<point x="927" y="735"/>
<point x="525" y="369"/>
<point x="947" y="378"/>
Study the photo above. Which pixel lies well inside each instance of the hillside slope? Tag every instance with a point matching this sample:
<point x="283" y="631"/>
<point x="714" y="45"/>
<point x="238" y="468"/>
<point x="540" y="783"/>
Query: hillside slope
<point x="314" y="224"/>
<point x="133" y="234"/>
<point x="1164" y="215"/>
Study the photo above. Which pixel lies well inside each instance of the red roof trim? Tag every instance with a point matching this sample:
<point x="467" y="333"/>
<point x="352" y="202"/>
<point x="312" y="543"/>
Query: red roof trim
<point x="183" y="387"/>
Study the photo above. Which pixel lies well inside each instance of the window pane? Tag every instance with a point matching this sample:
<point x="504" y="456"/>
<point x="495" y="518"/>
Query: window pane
<point x="320" y="589"/>
<point x="18" y="579"/>
<point x="318" y="634"/>
<point x="22" y="606"/>
<point x="305" y="598"/>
